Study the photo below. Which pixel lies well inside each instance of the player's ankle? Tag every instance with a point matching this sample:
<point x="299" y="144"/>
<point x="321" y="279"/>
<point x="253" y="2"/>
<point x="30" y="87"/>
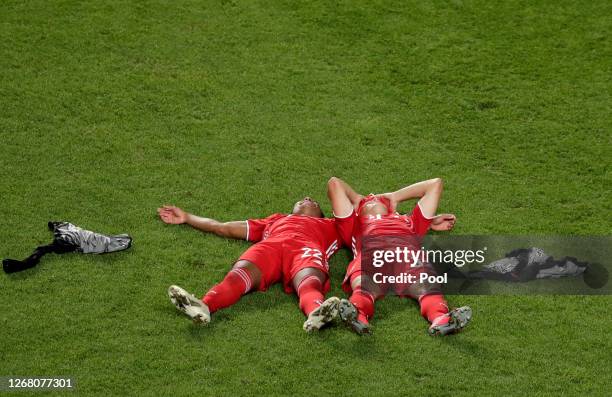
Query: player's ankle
<point x="441" y="320"/>
<point x="362" y="318"/>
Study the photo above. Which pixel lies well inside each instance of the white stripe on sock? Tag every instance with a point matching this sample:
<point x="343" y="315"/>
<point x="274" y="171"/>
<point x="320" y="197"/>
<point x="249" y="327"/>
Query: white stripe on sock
<point x="245" y="277"/>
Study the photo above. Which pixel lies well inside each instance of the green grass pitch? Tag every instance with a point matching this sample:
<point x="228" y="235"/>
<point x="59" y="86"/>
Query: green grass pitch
<point x="237" y="109"/>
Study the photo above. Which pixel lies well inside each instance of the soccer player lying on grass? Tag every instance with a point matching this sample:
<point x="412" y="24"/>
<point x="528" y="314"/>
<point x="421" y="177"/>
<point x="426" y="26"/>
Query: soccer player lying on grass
<point x="291" y="248"/>
<point x="375" y="215"/>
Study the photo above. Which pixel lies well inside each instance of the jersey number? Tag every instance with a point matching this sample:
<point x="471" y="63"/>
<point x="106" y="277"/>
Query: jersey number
<point x="313" y="253"/>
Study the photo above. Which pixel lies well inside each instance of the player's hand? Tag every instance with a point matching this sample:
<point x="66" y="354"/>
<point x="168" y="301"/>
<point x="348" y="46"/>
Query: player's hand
<point x="443" y="223"/>
<point x="392" y="201"/>
<point x="172" y="215"/>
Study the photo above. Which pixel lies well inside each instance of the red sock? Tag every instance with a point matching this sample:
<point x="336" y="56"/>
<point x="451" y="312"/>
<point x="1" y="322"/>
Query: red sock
<point x="236" y="283"/>
<point x="364" y="302"/>
<point x="310" y="292"/>
<point x="432" y="307"/>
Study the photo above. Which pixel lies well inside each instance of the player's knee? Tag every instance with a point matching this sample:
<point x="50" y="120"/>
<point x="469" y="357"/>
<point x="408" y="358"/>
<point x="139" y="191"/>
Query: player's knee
<point x="310" y="275"/>
<point x="252" y="270"/>
<point x="242" y="264"/>
<point x="355" y="281"/>
<point x="364" y="284"/>
<point x="332" y="185"/>
<point x="422" y="289"/>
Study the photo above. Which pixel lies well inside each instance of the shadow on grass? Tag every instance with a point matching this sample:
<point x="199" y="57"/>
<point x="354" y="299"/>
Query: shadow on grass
<point x="24" y="274"/>
<point x="463" y="344"/>
<point x="256" y="302"/>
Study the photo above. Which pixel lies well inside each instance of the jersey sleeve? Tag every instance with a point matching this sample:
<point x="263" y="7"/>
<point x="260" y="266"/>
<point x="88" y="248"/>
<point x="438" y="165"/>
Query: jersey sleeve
<point x="256" y="227"/>
<point x="420" y="222"/>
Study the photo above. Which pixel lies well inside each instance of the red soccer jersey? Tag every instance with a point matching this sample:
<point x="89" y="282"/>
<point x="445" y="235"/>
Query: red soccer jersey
<point x="414" y="224"/>
<point x="355" y="226"/>
<point x="391" y="224"/>
<point x="318" y="231"/>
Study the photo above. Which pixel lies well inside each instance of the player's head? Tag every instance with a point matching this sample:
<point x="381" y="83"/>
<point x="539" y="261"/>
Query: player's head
<point x="373" y="205"/>
<point x="308" y="206"/>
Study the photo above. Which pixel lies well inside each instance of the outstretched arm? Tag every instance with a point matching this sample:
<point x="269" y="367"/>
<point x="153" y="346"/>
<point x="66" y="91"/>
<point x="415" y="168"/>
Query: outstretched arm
<point x="176" y="216"/>
<point x="342" y="197"/>
<point x="429" y="191"/>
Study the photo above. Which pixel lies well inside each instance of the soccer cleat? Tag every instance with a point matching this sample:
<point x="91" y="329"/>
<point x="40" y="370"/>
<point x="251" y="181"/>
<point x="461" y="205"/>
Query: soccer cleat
<point x="322" y="315"/>
<point x="188" y="304"/>
<point x="348" y="313"/>
<point x="457" y="319"/>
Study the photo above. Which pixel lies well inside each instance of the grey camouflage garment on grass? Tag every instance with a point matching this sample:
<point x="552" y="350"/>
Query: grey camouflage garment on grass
<point x="86" y="241"/>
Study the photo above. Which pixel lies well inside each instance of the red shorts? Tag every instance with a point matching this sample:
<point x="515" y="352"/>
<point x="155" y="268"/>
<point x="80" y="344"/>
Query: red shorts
<point x="281" y="259"/>
<point x="355" y="268"/>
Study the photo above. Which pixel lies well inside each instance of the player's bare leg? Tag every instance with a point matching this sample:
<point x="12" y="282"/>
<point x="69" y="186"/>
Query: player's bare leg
<point x="308" y="284"/>
<point x="243" y="278"/>
<point x="342" y="197"/>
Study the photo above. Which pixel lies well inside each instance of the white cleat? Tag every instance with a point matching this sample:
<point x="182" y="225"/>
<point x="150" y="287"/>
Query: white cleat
<point x="322" y="315"/>
<point x="188" y="304"/>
